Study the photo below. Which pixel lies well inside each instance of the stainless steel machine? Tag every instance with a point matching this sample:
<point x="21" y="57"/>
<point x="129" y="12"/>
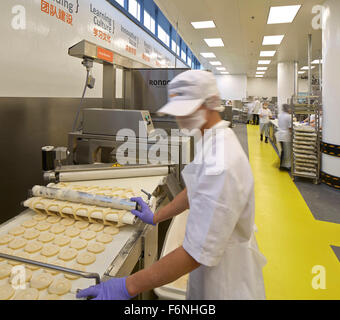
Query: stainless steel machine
<point x="92" y="162"/>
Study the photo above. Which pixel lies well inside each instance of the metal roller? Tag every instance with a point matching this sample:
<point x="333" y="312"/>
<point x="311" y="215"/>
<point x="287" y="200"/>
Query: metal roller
<point x="84" y="198"/>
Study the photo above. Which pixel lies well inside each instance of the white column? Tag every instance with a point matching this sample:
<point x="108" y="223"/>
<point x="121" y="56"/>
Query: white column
<point x="286" y="82"/>
<point x="331" y="92"/>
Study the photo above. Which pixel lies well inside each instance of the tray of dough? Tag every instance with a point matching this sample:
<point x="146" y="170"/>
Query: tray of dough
<point x="62" y="240"/>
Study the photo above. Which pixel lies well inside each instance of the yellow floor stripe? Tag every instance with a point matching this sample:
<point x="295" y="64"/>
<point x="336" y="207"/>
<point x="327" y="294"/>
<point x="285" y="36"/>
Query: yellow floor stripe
<point x="289" y="236"/>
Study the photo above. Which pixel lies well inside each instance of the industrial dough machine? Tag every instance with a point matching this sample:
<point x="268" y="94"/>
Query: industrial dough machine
<point x="135" y="244"/>
<point x="91" y="161"/>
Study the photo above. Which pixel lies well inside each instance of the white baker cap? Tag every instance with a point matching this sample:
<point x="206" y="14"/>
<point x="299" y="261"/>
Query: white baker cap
<point x="188" y="91"/>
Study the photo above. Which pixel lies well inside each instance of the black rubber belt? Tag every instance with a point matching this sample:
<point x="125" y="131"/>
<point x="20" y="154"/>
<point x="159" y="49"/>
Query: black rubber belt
<point x="330" y="180"/>
<point x="330" y="149"/>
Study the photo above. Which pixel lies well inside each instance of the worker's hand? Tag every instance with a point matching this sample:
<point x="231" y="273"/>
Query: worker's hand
<point x="146" y="215"/>
<point x="114" y="289"/>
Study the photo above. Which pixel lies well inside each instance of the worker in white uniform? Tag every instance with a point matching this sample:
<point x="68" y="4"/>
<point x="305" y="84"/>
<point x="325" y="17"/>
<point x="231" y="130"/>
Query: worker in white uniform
<point x="219" y="250"/>
<point x="265" y="116"/>
<point x="250" y="107"/>
<point x="284" y="137"/>
<point x="256" y="111"/>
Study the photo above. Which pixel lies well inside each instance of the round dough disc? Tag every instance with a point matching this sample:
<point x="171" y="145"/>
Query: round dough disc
<point x="77" y="267"/>
<point x="51" y="297"/>
<point x="43" y="226"/>
<point x="111" y="230"/>
<point x="27" y="294"/>
<point x="88" y="235"/>
<point x="96" y="247"/>
<point x="104" y="238"/>
<point x="72" y="232"/>
<point x="86" y="258"/>
<point x="5" y="239"/>
<point x="6" y="251"/>
<point x="28" y="276"/>
<point x="31" y="234"/>
<point x="33" y="247"/>
<point x="5" y="271"/>
<point x="58" y="228"/>
<point x="78" y="244"/>
<point x="6" y="292"/>
<point x="18" y="231"/>
<point x="96" y="227"/>
<point x="68" y="254"/>
<point x="39" y="217"/>
<point x="50" y="250"/>
<point x="29" y="223"/>
<point x="60" y="287"/>
<point x="56" y="263"/>
<point x="41" y="281"/>
<point x="21" y="255"/>
<point x="53" y="219"/>
<point x="17" y="244"/>
<point x="39" y="259"/>
<point x="62" y="241"/>
<point x="67" y="222"/>
<point x="46" y="237"/>
<point x="81" y="225"/>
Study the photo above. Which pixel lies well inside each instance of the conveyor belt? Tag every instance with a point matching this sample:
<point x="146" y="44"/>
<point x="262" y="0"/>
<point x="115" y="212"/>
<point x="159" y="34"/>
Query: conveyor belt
<point x="107" y="260"/>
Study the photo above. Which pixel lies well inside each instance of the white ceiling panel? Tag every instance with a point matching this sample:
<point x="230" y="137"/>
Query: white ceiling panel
<point x="242" y="24"/>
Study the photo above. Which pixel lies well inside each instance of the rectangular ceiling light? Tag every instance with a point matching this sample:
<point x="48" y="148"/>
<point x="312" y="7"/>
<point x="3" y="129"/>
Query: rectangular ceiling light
<point x="267" y="53"/>
<point x="225" y="72"/>
<point x="203" y="24"/>
<point x="221" y="69"/>
<point x="264" y="61"/>
<point x="258" y="76"/>
<point x="272" y="40"/>
<point x="301" y="72"/>
<point x="306" y="68"/>
<point x="208" y="55"/>
<point x="262" y="68"/>
<point x="215" y="63"/>
<point x="317" y="61"/>
<point x="283" y="14"/>
<point x="260" y="72"/>
<point x="214" y="42"/>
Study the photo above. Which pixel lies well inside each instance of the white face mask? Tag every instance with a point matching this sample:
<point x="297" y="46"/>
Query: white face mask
<point x="194" y="121"/>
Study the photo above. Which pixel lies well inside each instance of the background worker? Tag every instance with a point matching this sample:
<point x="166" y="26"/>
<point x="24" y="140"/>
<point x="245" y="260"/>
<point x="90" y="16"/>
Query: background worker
<point x="219" y="250"/>
<point x="265" y="115"/>
<point x="284" y="136"/>
<point x="256" y="111"/>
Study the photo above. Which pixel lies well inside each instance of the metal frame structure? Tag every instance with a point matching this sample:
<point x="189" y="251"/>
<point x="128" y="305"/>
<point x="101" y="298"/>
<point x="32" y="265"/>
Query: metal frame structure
<point x="312" y="145"/>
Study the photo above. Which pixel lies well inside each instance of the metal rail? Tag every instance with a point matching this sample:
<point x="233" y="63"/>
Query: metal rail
<point x="81" y="274"/>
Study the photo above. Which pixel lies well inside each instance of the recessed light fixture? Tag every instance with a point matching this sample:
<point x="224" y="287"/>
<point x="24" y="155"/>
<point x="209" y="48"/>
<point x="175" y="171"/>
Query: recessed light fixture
<point x="267" y="53"/>
<point x="283" y="14"/>
<point x="208" y="55"/>
<point x="203" y="24"/>
<point x="306" y="68"/>
<point x="260" y="72"/>
<point x="225" y="72"/>
<point x="264" y="61"/>
<point x="221" y="69"/>
<point x="215" y="63"/>
<point x="258" y="76"/>
<point x="317" y="61"/>
<point x="214" y="42"/>
<point x="301" y="72"/>
<point x="262" y="68"/>
<point x="272" y="40"/>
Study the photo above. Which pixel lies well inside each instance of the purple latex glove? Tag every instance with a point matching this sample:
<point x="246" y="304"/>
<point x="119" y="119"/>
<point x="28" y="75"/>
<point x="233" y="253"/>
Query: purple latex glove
<point x="146" y="215"/>
<point x="114" y="289"/>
